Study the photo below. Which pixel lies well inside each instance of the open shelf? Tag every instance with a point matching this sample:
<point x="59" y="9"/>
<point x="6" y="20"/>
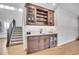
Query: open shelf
<point x="39" y="16"/>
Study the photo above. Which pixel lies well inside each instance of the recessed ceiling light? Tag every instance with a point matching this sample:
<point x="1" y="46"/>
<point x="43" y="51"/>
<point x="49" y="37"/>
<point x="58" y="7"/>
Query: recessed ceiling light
<point x="12" y="8"/>
<point x="6" y="7"/>
<point x="1" y="6"/>
<point x="20" y="10"/>
<point x="53" y="4"/>
<point x="9" y="8"/>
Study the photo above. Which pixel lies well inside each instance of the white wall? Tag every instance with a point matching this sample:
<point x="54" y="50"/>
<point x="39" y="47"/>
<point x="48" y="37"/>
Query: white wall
<point x="67" y="25"/>
<point x="2" y="33"/>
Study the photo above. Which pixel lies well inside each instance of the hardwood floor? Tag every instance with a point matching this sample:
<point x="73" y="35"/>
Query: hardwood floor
<point x="67" y="49"/>
<point x="16" y="50"/>
<point x="71" y="48"/>
<point x="3" y="49"/>
<point x="12" y="50"/>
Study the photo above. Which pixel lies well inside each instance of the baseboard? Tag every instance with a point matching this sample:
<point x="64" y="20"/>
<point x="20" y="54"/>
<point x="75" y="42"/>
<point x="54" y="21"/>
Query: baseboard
<point x="66" y="42"/>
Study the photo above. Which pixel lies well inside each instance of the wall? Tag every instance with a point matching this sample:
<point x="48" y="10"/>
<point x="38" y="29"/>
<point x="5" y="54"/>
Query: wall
<point x="67" y="24"/>
<point x="2" y="33"/>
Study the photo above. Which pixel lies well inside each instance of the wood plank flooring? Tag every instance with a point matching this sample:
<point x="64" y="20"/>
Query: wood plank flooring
<point x="16" y="50"/>
<point x="71" y="48"/>
<point x="3" y="49"/>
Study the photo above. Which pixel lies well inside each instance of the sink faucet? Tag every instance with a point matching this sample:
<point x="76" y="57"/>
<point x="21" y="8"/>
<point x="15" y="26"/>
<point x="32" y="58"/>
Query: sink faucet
<point x="41" y="30"/>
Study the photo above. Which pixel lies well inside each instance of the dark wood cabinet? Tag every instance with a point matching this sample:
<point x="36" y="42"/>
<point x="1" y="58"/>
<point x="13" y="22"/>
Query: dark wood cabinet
<point x="30" y="18"/>
<point x="37" y="15"/>
<point x="33" y="44"/>
<point x="50" y="18"/>
<point x="41" y="43"/>
<point x="37" y="43"/>
<point x="46" y="42"/>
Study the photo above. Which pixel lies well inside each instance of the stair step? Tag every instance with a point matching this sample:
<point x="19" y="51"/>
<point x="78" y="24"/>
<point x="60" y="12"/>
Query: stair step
<point x="16" y="37"/>
<point x="16" y="43"/>
<point x="13" y="40"/>
<point x="18" y="27"/>
<point x="16" y="32"/>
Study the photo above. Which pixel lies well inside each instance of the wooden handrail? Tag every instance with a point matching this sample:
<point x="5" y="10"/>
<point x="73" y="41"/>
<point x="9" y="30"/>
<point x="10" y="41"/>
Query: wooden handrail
<point x="9" y="32"/>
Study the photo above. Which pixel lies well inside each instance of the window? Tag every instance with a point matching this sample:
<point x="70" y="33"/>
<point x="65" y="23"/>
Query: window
<point x="0" y="26"/>
<point x="6" y="24"/>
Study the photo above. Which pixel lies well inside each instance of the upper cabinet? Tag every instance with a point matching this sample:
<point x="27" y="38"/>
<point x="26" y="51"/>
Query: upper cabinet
<point x="37" y="15"/>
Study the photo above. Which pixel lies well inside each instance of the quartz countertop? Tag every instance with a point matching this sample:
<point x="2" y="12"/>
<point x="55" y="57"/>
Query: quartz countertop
<point x="40" y="34"/>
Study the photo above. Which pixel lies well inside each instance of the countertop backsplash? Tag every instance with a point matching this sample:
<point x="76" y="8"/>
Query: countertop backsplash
<point x="43" y="29"/>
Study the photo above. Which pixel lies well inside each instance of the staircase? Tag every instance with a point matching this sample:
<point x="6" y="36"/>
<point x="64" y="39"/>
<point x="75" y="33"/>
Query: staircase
<point x="16" y="37"/>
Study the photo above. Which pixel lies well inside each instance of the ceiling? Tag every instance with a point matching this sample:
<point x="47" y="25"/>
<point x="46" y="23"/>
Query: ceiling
<point x="16" y="5"/>
<point x="72" y="7"/>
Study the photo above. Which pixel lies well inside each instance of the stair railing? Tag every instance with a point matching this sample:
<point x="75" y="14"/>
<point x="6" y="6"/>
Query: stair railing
<point x="9" y="31"/>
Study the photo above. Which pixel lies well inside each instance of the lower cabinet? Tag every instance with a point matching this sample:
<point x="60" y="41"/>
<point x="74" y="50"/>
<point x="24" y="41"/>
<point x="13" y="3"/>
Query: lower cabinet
<point x="32" y="44"/>
<point x="47" y="42"/>
<point x="36" y="43"/>
<point x="41" y="43"/>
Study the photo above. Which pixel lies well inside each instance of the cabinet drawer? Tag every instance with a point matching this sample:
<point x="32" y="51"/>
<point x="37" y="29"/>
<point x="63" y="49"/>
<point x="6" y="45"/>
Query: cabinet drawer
<point x="33" y="38"/>
<point x="44" y="37"/>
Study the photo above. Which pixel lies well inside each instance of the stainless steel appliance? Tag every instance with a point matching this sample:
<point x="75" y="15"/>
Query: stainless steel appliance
<point x="53" y="40"/>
